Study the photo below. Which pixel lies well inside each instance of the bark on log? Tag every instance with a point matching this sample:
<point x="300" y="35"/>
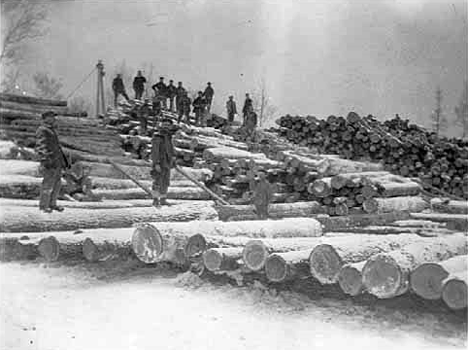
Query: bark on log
<point x="386" y="275"/>
<point x="394" y="189"/>
<point x="30" y="99"/>
<point x="337" y="166"/>
<point x="339" y="181"/>
<point x="350" y="278"/>
<point x="326" y="260"/>
<point x="455" y="293"/>
<point x="457" y="222"/>
<point x="219" y="153"/>
<point x="191" y="193"/>
<point x="386" y="205"/>
<point x="450" y="206"/>
<point x="427" y="279"/>
<point x="276" y="211"/>
<point x="331" y="224"/>
<point x="19" y="167"/>
<point x="222" y="259"/>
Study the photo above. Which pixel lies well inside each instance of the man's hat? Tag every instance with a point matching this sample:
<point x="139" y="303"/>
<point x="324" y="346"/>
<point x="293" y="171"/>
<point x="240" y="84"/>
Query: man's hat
<point x="161" y="78"/>
<point x="209" y="83"/>
<point x="171" y="81"/>
<point x="48" y="114"/>
<point x="180" y="82"/>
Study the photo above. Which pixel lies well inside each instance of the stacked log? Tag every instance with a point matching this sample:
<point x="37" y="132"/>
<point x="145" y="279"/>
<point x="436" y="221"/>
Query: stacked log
<point x="455" y="290"/>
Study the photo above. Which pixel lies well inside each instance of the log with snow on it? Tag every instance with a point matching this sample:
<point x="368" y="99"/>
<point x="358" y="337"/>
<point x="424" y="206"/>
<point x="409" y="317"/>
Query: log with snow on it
<point x="340" y="181"/>
<point x="350" y="278"/>
<point x="31" y="100"/>
<point x="413" y="204"/>
<point x="29" y="219"/>
<point x="338" y="223"/>
<point x="326" y="260"/>
<point x="118" y="184"/>
<point x="205" y="142"/>
<point x="219" y="153"/>
<point x="455" y="291"/>
<point x="19" y="167"/>
<point x="222" y="259"/>
<point x="396" y="189"/>
<point x="449" y="206"/>
<point x="337" y="166"/>
<point x="458" y="222"/>
<point x="427" y="279"/>
<point x="386" y="275"/>
<point x="190" y="193"/>
<point x="277" y="210"/>
<point x="192" y="236"/>
<point x="38" y="108"/>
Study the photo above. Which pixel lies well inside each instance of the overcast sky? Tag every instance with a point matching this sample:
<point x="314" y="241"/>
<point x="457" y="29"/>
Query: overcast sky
<point x="318" y="57"/>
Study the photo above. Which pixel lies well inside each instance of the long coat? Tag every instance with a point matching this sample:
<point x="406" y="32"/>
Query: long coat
<point x="162" y="150"/>
<point x="48" y="148"/>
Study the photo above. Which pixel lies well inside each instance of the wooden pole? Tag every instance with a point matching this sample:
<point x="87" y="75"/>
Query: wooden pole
<point x="130" y="177"/>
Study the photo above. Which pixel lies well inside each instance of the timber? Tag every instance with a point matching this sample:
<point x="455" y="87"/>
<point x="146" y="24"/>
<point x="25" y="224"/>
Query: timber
<point x="32" y="100"/>
<point x="222" y="259"/>
<point x="413" y="204"/>
<point x="455" y="292"/>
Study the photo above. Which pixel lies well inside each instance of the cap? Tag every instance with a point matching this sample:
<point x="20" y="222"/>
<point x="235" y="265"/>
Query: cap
<point x="209" y="83"/>
<point x="48" y="114"/>
<point x="171" y="81"/>
<point x="161" y="77"/>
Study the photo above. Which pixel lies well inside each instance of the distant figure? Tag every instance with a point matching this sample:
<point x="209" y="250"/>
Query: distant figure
<point x="248" y="106"/>
<point x="143" y="114"/>
<point x="180" y="91"/>
<point x="52" y="160"/>
<point x="184" y="108"/>
<point x="199" y="105"/>
<point x="158" y="101"/>
<point x="231" y="109"/>
<point x="160" y="87"/>
<point x="139" y="85"/>
<point x="171" y="94"/>
<point x="262" y="196"/>
<point x="208" y="95"/>
<point x="162" y="156"/>
<point x="118" y="88"/>
<point x="251" y="121"/>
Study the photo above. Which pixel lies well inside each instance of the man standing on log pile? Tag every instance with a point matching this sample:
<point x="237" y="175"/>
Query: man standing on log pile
<point x="208" y="95"/>
<point x="162" y="156"/>
<point x="199" y="105"/>
<point x="52" y="160"/>
<point x="180" y="91"/>
<point x="262" y="196"/>
<point x="139" y="85"/>
<point x="231" y="109"/>
<point x="161" y="89"/>
<point x="143" y="114"/>
<point x="171" y="94"/>
<point x="251" y="122"/>
<point x="248" y="107"/>
<point x="118" y="88"/>
<point x="184" y="108"/>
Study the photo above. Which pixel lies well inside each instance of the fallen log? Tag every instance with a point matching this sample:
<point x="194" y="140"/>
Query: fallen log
<point x="457" y="222"/>
<point x="386" y="275"/>
<point x="455" y="292"/>
<point x="219" y="153"/>
<point x="276" y="211"/>
<point x="222" y="259"/>
<point x="386" y="205"/>
<point x="350" y="278"/>
<point x="191" y="193"/>
<point x="449" y="206"/>
<point x="30" y="99"/>
<point x="281" y="267"/>
<point x="337" y="166"/>
<point x="394" y="189"/>
<point x="331" y="224"/>
<point x="19" y="167"/>
<point x="326" y="260"/>
<point x="427" y="279"/>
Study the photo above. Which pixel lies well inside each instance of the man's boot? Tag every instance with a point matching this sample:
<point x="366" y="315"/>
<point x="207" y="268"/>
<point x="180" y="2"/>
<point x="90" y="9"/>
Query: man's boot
<point x="57" y="208"/>
<point x="46" y="210"/>
<point x="164" y="201"/>
<point x="156" y="203"/>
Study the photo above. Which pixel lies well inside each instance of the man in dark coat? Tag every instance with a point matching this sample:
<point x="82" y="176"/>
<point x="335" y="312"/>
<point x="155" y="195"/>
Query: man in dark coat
<point x="184" y="108"/>
<point x="118" y="88"/>
<point x="251" y="121"/>
<point x="263" y="194"/>
<point x="158" y="101"/>
<point x="139" y="85"/>
<point x="161" y="88"/>
<point x="162" y="156"/>
<point x="171" y="94"/>
<point x="143" y="114"/>
<point x="208" y="95"/>
<point x="231" y="109"/>
<point x="199" y="105"/>
<point x="248" y="107"/>
<point x="52" y="160"/>
<point x="180" y="91"/>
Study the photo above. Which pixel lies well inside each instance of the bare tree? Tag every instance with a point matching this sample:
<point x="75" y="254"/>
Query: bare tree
<point x="263" y="105"/>
<point x="439" y="122"/>
<point x="461" y="110"/>
<point x="22" y="21"/>
<point x="46" y="86"/>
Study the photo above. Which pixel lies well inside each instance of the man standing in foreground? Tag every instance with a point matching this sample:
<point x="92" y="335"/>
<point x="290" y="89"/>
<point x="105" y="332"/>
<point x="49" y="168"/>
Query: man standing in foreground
<point x="162" y="156"/>
<point x="231" y="109"/>
<point x="53" y="161"/>
<point x="139" y="85"/>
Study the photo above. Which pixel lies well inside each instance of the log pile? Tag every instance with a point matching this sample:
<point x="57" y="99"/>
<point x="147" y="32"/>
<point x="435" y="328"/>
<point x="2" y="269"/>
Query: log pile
<point x="405" y="149"/>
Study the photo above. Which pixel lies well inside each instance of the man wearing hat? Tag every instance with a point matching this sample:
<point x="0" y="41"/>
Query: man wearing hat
<point x="143" y="114"/>
<point x="161" y="89"/>
<point x="139" y="85"/>
<point x="231" y="109"/>
<point x="199" y="105"/>
<point x="247" y="109"/>
<point x="180" y="91"/>
<point x="262" y="196"/>
<point x="118" y="88"/>
<point x="184" y="108"/>
<point x="171" y="94"/>
<point x="162" y="156"/>
<point x="208" y="95"/>
<point x="52" y="160"/>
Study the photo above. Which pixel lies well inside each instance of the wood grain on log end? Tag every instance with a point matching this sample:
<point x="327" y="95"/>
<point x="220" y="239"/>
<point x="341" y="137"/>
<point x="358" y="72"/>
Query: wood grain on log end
<point x="222" y="259"/>
<point x="90" y="250"/>
<point x="325" y="264"/>
<point x="255" y="254"/>
<point x="426" y="280"/>
<point x="277" y="269"/>
<point x="147" y="243"/>
<point x="350" y="279"/>
<point x="370" y="206"/>
<point x="212" y="260"/>
<point x="195" y="245"/>
<point x="455" y="293"/>
<point x="382" y="276"/>
<point x="49" y="248"/>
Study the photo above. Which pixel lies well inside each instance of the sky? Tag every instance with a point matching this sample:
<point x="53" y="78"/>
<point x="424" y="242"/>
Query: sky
<point x="316" y="57"/>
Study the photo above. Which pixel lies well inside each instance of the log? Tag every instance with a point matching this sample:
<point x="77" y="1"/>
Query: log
<point x="340" y="181"/>
<point x="37" y="108"/>
<point x="219" y="153"/>
<point x="427" y="279"/>
<point x="107" y="183"/>
<point x="276" y="211"/>
<point x="350" y="278"/>
<point x="282" y="267"/>
<point x="32" y="100"/>
<point x="28" y="219"/>
<point x="386" y="275"/>
<point x="449" y="206"/>
<point x="19" y="167"/>
<point x="457" y="222"/>
<point x="338" y="223"/>
<point x="320" y="188"/>
<point x="386" y="205"/>
<point x="337" y="166"/>
<point x="455" y="293"/>
<point x="326" y="260"/>
<point x="222" y="259"/>
<point x="393" y="189"/>
<point x="191" y="193"/>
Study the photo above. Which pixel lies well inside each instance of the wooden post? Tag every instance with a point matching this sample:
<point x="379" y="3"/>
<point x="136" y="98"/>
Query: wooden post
<point x="100" y="103"/>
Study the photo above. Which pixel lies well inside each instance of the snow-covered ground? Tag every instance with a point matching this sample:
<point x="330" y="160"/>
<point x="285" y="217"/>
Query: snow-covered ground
<point x="88" y="306"/>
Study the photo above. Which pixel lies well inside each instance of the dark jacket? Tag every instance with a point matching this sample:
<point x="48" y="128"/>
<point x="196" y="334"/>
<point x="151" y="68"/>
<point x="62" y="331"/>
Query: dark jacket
<point x="118" y="85"/>
<point x="209" y="92"/>
<point x="263" y="193"/>
<point x="231" y="107"/>
<point x="248" y="107"/>
<point x="251" y="120"/>
<point x="162" y="150"/>
<point x="184" y="104"/>
<point x="171" y="91"/>
<point x="161" y="87"/>
<point x="48" y="148"/>
<point x="199" y="104"/>
<point x="180" y="91"/>
<point x="139" y="83"/>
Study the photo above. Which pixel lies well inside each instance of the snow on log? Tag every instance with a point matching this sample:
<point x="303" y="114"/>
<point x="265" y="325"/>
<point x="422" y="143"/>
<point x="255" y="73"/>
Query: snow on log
<point x="458" y="222"/>
<point x="108" y="183"/>
<point x="386" y="275"/>
<point x="337" y="166"/>
<point x="340" y="181"/>
<point x="219" y="153"/>
<point x="455" y="293"/>
<point x="276" y="211"/>
<point x="350" y="278"/>
<point x="338" y="223"/>
<point x="192" y="193"/>
<point x="449" y="206"/>
<point x="427" y="279"/>
<point x="19" y="167"/>
<point x="386" y="205"/>
<point x="222" y="259"/>
<point x="32" y="100"/>
<point x="326" y="260"/>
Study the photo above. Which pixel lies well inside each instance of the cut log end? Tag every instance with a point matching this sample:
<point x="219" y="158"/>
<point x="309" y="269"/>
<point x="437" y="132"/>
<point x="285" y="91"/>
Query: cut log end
<point x="455" y="294"/>
<point x="350" y="280"/>
<point x="426" y="281"/>
<point x="212" y="260"/>
<point x="49" y="248"/>
<point x="382" y="276"/>
<point x="90" y="250"/>
<point x="370" y="206"/>
<point x="255" y="254"/>
<point x="147" y="243"/>
<point x="276" y="268"/>
<point x="195" y="245"/>
<point x="325" y="264"/>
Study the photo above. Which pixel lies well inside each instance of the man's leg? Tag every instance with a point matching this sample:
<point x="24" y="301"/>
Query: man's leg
<point x="124" y="93"/>
<point x="116" y="94"/>
<point x="156" y="187"/>
<point x="46" y="188"/>
<point x="165" y="182"/>
<point x="171" y="103"/>
<point x="56" y="189"/>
